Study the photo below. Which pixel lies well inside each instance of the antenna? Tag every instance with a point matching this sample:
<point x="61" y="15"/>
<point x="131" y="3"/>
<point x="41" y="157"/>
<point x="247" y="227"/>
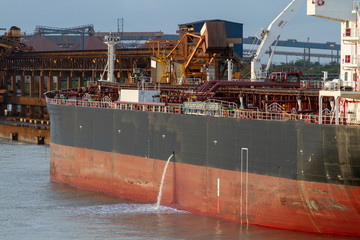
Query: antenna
<point x="120" y="29"/>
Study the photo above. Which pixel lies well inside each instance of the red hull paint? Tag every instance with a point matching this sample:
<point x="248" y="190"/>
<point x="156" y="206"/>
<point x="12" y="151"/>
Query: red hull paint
<point x="272" y="202"/>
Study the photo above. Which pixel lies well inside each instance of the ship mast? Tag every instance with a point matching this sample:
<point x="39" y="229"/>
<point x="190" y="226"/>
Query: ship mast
<point x="111" y="41"/>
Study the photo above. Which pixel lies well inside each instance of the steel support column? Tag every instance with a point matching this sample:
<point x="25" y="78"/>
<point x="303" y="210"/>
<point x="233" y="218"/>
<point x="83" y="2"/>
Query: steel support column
<point x="69" y="81"/>
<point x="81" y="80"/>
<point x="41" y="85"/>
<point x="32" y="84"/>
<point x="3" y="80"/>
<point x="22" y="84"/>
<point x="13" y="84"/>
<point x="58" y="82"/>
<point x="50" y="82"/>
<point x="22" y="92"/>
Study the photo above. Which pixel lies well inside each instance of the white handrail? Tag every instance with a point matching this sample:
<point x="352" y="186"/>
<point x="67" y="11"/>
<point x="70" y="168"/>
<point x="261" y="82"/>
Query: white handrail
<point x="232" y="113"/>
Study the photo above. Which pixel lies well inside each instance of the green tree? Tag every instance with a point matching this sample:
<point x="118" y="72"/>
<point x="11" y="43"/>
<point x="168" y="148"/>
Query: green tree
<point x="310" y="67"/>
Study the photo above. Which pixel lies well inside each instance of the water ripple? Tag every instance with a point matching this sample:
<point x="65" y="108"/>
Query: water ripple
<point x="128" y="209"/>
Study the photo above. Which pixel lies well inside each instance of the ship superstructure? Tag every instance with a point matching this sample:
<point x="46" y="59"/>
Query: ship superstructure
<point x="345" y="100"/>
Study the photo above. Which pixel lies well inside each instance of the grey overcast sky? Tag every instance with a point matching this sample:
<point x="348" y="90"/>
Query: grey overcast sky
<point x="163" y="15"/>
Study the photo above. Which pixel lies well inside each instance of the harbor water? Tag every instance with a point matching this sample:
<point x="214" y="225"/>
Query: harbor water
<point x="34" y="207"/>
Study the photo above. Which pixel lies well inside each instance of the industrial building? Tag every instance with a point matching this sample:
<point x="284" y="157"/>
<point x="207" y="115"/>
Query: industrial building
<point x="233" y="31"/>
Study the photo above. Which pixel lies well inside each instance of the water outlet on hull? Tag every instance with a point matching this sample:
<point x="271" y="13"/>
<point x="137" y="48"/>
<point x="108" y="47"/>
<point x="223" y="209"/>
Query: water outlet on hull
<point x="40" y="140"/>
<point x="14" y="136"/>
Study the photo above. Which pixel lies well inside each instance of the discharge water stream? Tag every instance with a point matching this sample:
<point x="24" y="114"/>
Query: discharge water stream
<point x="162" y="182"/>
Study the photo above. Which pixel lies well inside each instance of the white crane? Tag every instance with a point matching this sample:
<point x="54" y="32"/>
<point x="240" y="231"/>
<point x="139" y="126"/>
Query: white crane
<point x="271" y="34"/>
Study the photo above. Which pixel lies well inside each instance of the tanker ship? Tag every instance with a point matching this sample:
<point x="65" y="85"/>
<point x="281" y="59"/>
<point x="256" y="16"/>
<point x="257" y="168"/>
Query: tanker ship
<point x="258" y="166"/>
<point x="265" y="168"/>
<point x="279" y="153"/>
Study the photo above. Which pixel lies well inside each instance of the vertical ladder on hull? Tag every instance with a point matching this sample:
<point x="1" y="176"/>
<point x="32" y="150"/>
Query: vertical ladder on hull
<point x="244" y="191"/>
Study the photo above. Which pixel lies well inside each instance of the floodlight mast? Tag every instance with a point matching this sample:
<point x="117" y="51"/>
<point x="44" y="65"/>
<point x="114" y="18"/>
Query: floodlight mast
<point x="111" y="41"/>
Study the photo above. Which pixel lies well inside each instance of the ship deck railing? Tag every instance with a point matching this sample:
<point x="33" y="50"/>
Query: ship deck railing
<point x="252" y="114"/>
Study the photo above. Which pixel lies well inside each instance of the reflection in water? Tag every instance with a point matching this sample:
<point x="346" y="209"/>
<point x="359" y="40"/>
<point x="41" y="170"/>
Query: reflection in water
<point x="34" y="207"/>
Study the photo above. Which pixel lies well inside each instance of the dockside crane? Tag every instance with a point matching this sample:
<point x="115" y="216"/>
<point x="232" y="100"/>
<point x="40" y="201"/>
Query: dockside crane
<point x="269" y="36"/>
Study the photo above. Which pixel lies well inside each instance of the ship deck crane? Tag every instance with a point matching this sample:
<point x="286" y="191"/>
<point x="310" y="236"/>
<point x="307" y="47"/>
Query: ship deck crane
<point x="270" y="35"/>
